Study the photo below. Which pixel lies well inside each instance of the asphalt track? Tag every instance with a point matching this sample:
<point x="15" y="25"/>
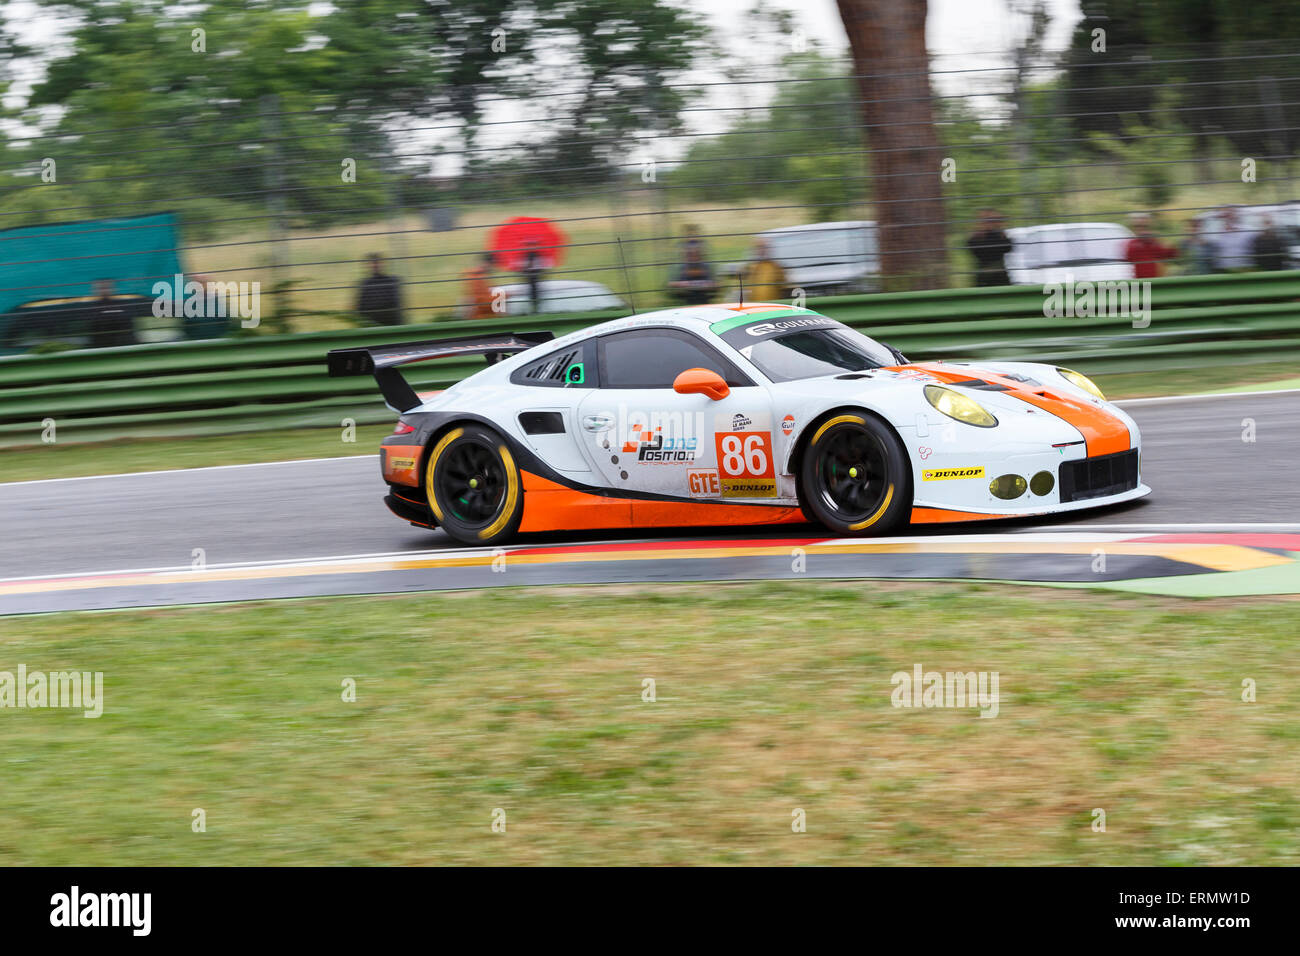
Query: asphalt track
<point x="326" y="520"/>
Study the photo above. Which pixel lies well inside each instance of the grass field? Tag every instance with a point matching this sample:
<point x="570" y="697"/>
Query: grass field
<point x="769" y="699"/>
<point x="328" y="263"/>
<point x="72" y="460"/>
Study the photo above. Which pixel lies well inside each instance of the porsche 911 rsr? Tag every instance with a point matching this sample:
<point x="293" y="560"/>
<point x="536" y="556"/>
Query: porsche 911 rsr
<point x="736" y="415"/>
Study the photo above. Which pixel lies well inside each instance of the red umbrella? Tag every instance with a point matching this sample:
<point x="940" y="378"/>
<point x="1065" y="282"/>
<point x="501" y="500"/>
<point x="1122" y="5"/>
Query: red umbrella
<point x="509" y="243"/>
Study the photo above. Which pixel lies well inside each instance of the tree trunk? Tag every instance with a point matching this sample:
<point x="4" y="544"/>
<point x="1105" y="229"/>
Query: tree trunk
<point x="887" y="38"/>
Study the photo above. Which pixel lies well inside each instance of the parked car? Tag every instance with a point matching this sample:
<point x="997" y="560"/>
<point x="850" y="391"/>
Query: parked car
<point x="1057" y="252"/>
<point x="561" y="295"/>
<point x="825" y="258"/>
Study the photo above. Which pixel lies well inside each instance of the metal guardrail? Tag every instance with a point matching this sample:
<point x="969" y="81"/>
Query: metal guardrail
<point x="279" y="381"/>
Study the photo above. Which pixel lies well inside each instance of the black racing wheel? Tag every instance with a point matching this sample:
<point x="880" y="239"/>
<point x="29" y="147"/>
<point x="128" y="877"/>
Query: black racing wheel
<point x="473" y="486"/>
<point x="855" y="477"/>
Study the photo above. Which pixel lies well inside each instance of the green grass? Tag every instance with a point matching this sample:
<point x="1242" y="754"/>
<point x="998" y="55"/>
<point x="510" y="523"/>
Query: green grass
<point x="101" y="458"/>
<point x="70" y="460"/>
<point x="770" y="698"/>
<point x="1190" y="381"/>
<point x="330" y="262"/>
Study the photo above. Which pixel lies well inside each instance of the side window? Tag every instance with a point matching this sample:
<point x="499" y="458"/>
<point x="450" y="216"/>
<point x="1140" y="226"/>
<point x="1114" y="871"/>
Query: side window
<point x="653" y="358"/>
<point x="565" y="367"/>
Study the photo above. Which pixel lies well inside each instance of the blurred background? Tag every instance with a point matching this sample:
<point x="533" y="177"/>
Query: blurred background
<point x="169" y="169"/>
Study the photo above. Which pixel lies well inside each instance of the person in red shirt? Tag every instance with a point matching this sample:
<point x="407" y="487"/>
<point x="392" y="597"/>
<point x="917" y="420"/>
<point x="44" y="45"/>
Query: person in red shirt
<point x="1145" y="251"/>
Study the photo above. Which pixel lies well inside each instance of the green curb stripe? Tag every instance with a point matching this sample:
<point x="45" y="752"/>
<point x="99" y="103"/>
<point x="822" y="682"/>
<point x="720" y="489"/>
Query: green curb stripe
<point x="726" y="325"/>
<point x="1278" y="579"/>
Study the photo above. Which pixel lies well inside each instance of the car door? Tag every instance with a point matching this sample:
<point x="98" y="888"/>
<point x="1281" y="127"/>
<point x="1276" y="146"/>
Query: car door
<point x="645" y="437"/>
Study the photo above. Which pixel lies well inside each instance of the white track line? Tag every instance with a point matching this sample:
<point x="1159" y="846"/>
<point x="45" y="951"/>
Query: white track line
<point x="1202" y="397"/>
<point x="177" y="471"/>
<point x="1180" y="526"/>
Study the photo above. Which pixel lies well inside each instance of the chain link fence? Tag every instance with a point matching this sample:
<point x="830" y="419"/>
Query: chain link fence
<point x="249" y="218"/>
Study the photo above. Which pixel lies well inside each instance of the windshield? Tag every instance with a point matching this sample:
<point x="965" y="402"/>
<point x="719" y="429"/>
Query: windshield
<point x="784" y="355"/>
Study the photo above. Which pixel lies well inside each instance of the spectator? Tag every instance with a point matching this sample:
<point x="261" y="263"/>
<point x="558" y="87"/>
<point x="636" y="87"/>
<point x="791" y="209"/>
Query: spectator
<point x="1233" y="250"/>
<point x="1144" y="251"/>
<point x="532" y="273"/>
<point x="1198" y="250"/>
<point x="1269" y="248"/>
<point x="988" y="246"/>
<point x="110" y="322"/>
<point x="693" y="240"/>
<point x="694" y="284"/>
<point x="764" y="278"/>
<point x="477" y="300"/>
<point x="379" y="298"/>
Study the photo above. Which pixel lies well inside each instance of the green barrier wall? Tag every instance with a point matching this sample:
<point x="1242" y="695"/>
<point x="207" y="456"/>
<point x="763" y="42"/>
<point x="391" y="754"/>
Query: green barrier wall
<point x="264" y="382"/>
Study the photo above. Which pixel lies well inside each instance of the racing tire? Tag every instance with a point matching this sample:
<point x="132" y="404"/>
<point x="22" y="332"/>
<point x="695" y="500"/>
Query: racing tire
<point x="473" y="486"/>
<point x="855" y="477"/>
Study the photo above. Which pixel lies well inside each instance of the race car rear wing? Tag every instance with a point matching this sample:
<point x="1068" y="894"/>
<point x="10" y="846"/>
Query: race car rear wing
<point x="382" y="360"/>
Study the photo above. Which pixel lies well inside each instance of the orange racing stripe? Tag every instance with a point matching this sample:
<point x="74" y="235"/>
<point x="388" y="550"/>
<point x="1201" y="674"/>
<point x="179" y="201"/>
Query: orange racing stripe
<point x="549" y="506"/>
<point x="942" y="515"/>
<point x="1104" y="433"/>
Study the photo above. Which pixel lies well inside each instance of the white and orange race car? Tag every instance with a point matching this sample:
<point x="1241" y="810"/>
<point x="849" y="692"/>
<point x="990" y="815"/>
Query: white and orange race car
<point x="733" y="415"/>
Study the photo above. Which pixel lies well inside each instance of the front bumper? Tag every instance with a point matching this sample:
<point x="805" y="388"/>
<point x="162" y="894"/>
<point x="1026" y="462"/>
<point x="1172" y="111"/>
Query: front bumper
<point x="1078" y="482"/>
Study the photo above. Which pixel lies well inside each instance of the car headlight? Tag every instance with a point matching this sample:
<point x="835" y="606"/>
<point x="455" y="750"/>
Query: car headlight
<point x="1082" y="381"/>
<point x="959" y="406"/>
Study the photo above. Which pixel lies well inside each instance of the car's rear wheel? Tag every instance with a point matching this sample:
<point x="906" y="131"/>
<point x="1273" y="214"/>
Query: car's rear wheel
<point x="854" y="475"/>
<point x="473" y="486"/>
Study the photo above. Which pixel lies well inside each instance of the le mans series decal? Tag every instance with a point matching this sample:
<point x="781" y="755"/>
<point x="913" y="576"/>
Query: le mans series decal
<point x="744" y="447"/>
<point x="950" y="474"/>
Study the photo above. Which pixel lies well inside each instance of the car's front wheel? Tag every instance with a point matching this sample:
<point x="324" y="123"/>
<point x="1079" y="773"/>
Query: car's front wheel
<point x="855" y="476"/>
<point x="473" y="486"/>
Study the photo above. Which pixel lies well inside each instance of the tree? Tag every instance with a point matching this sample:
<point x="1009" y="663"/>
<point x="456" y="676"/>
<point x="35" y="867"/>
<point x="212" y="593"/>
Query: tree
<point x="769" y="152"/>
<point x="891" y="67"/>
<point x="146" y="117"/>
<point x="1216" y="56"/>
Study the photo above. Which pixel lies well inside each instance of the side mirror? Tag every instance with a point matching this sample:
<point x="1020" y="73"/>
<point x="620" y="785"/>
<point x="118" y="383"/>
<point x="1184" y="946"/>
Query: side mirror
<point x="701" y="381"/>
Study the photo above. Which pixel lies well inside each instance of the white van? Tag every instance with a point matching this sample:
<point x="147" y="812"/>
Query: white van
<point x="1057" y="252"/>
<point x="827" y="258"/>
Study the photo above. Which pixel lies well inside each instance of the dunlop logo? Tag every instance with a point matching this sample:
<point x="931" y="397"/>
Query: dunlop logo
<point x="948" y="474"/>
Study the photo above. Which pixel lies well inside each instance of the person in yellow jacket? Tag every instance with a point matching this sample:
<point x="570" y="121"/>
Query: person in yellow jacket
<point x="764" y="278"/>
